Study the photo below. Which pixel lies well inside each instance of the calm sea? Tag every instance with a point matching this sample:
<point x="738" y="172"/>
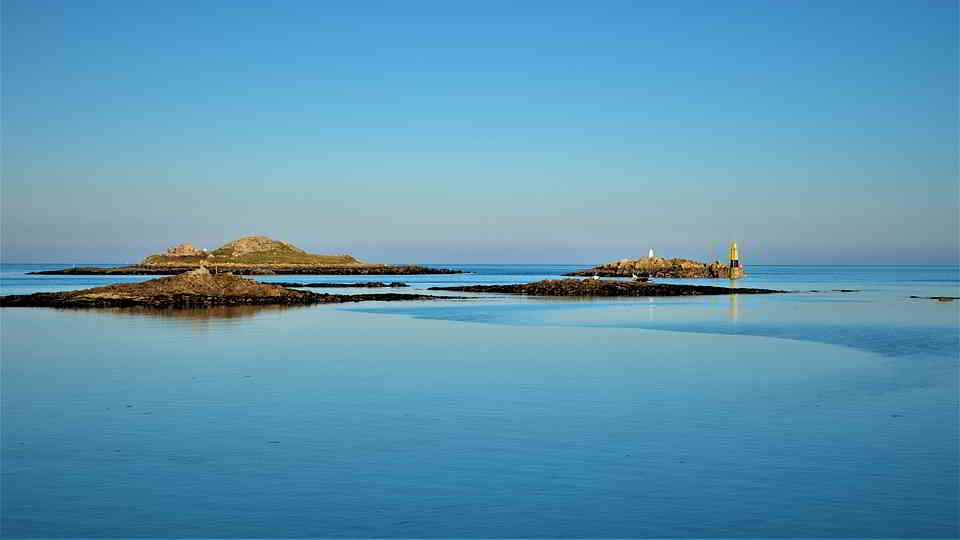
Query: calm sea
<point x="812" y="414"/>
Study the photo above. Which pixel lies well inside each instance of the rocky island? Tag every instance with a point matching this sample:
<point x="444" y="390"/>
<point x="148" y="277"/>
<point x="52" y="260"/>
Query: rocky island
<point x="192" y="289"/>
<point x="252" y="255"/>
<point x="604" y="287"/>
<point x="659" y="267"/>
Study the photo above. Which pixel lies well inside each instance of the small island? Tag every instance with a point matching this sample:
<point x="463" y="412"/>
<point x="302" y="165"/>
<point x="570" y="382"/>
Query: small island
<point x="193" y="289"/>
<point x="604" y="287"/>
<point x="252" y="255"/>
<point x="659" y="267"/>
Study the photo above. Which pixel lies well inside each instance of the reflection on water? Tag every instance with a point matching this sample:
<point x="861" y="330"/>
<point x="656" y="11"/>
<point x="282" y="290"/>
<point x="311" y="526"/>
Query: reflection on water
<point x="560" y="418"/>
<point x="299" y="423"/>
<point x="200" y="319"/>
<point x="891" y="327"/>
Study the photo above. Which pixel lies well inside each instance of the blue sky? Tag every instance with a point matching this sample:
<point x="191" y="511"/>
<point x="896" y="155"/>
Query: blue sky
<point x="556" y="132"/>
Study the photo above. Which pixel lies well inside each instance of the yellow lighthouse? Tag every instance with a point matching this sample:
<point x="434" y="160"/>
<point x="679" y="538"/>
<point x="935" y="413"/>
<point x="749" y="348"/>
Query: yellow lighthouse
<point x="736" y="270"/>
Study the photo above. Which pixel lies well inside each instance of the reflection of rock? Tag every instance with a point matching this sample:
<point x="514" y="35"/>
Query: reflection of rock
<point x="196" y="288"/>
<point x="659" y="267"/>
<point x="590" y="287"/>
<point x="205" y="319"/>
<point x="939" y="298"/>
<point x="199" y="314"/>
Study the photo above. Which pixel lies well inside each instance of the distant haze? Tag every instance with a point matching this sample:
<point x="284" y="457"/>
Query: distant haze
<point x="484" y="132"/>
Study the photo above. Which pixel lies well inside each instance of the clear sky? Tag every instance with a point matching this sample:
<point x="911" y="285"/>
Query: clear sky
<point x="820" y="132"/>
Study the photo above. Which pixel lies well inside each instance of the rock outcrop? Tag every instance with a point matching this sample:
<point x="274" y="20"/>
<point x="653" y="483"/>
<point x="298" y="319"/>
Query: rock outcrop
<point x="659" y="267"/>
<point x="185" y="250"/>
<point x="364" y="285"/>
<point x="604" y="287"/>
<point x="196" y="288"/>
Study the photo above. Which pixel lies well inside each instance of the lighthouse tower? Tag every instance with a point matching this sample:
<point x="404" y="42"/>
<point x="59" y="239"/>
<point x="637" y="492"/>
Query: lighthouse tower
<point x="736" y="270"/>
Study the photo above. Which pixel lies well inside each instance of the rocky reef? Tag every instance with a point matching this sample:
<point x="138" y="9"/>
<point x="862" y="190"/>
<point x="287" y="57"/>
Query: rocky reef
<point x="196" y="288"/>
<point x="659" y="267"/>
<point x="604" y="287"/>
<point x="252" y="255"/>
<point x="367" y="285"/>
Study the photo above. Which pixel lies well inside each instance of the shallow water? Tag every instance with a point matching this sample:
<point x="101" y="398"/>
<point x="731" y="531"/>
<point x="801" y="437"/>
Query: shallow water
<point x="800" y="415"/>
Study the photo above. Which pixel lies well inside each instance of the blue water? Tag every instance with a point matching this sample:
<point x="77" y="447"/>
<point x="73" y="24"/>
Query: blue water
<point x="821" y="415"/>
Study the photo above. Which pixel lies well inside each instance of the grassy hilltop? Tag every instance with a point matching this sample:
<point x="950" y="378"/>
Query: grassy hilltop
<point x="249" y="250"/>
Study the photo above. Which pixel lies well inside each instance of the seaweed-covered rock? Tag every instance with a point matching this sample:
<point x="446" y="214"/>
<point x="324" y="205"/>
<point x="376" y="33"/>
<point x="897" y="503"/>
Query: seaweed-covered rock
<point x="364" y="285"/>
<point x="196" y="288"/>
<point x="604" y="287"/>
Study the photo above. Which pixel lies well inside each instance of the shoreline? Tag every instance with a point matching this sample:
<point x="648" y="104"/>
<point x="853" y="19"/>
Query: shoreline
<point x="68" y="299"/>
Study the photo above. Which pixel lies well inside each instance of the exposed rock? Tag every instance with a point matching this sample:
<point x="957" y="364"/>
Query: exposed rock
<point x="196" y="288"/>
<point x="604" y="287"/>
<point x="369" y="285"/>
<point x="939" y="298"/>
<point x="659" y="267"/>
<point x="199" y="274"/>
<point x="834" y="290"/>
<point x="185" y="250"/>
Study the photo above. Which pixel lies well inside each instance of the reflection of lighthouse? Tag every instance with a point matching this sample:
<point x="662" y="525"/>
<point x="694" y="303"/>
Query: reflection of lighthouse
<point x="734" y="309"/>
<point x="736" y="271"/>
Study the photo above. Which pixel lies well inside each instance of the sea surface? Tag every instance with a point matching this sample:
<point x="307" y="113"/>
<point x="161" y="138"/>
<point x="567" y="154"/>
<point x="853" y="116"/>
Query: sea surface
<point x="821" y="414"/>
